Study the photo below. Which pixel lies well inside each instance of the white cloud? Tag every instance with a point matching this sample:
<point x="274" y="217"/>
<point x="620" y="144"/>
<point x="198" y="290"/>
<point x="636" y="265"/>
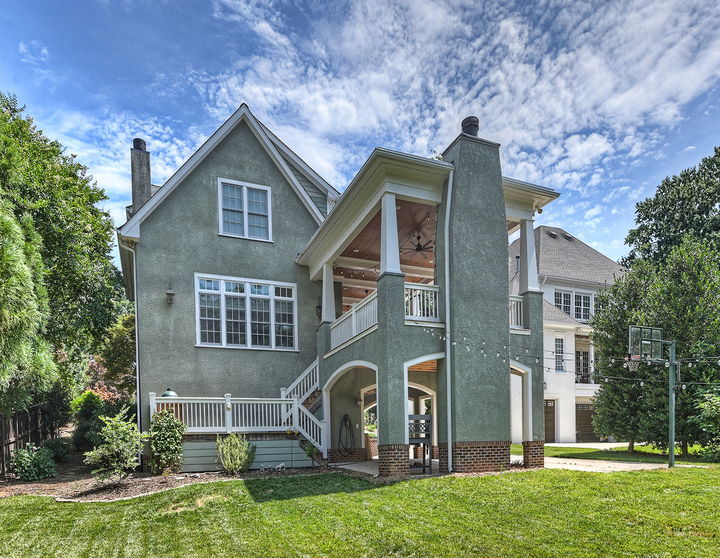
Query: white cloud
<point x="33" y="53"/>
<point x="597" y="210"/>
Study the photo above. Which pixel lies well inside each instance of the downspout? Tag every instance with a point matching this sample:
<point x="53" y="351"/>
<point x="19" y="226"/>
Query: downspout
<point x="137" y="354"/>
<point x="448" y="341"/>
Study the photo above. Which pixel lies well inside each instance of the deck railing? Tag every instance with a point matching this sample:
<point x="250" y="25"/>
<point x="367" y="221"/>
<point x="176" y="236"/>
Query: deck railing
<point x="220" y="415"/>
<point x="421" y="302"/>
<point x="360" y="317"/>
<point x="306" y="383"/>
<point x="516" y="312"/>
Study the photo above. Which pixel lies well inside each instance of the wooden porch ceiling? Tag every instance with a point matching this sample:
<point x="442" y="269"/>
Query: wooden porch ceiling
<point x="358" y="264"/>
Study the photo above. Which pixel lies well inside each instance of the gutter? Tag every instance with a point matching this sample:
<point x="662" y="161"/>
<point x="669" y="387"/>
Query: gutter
<point x="448" y="341"/>
<point x="137" y="354"/>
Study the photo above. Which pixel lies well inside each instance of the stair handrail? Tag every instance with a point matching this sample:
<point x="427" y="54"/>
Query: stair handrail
<point x="292" y="390"/>
<point x="317" y="441"/>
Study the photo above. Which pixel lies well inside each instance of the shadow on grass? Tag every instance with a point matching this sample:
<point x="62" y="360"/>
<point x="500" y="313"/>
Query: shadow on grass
<point x="286" y="488"/>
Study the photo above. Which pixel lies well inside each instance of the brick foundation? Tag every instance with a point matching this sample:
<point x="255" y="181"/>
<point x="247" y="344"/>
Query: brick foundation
<point x="475" y="457"/>
<point x="534" y="454"/>
<point x="354" y="455"/>
<point x="418" y="452"/>
<point x="394" y="460"/>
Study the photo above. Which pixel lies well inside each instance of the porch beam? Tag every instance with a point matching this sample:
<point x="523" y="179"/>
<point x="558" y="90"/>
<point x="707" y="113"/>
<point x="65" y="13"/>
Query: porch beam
<point x="528" y="261"/>
<point x="357" y="264"/>
<point x="328" y="294"/>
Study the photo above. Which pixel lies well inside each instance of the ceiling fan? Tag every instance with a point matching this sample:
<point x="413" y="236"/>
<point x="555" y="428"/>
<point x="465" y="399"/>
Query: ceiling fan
<point x="417" y="247"/>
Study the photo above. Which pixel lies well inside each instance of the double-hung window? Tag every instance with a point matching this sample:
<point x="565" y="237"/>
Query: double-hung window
<point x="559" y="355"/>
<point x="562" y="301"/>
<point x="582" y="307"/>
<point x="244" y="210"/>
<point x="245" y="313"/>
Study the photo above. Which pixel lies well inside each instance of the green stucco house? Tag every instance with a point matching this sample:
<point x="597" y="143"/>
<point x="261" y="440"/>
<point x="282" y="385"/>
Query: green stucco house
<point x="273" y="305"/>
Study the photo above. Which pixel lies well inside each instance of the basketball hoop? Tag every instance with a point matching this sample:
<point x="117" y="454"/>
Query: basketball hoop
<point x="632" y="363"/>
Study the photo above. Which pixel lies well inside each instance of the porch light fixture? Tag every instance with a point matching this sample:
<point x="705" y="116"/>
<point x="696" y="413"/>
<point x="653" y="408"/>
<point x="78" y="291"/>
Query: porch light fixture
<point x="170" y="294"/>
<point x="544" y="386"/>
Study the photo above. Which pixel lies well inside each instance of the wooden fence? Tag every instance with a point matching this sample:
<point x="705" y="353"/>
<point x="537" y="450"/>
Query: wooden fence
<point x="19" y="430"/>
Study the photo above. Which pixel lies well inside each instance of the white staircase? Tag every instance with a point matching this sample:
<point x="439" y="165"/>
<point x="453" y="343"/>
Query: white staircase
<point x="305" y="390"/>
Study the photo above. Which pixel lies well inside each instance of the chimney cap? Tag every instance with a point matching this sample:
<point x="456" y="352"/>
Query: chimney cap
<point x="139" y="143"/>
<point x="471" y="125"/>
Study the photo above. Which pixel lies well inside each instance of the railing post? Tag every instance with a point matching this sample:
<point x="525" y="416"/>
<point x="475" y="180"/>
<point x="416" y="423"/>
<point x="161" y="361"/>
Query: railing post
<point x="228" y="414"/>
<point x="323" y="438"/>
<point x="295" y="413"/>
<point x="282" y="393"/>
<point x="153" y="404"/>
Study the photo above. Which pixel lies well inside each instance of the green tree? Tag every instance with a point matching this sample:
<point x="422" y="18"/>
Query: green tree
<point x="684" y="204"/>
<point x="681" y="296"/>
<point x="42" y="181"/>
<point x="117" y="355"/>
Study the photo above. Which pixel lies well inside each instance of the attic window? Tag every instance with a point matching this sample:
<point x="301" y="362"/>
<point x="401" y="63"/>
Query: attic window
<point x="553" y="234"/>
<point x="244" y="210"/>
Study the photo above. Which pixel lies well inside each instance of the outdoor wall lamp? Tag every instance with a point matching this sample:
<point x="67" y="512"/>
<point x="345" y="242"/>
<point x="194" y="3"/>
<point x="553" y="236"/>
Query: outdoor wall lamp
<point x="170" y="294"/>
<point x="544" y="386"/>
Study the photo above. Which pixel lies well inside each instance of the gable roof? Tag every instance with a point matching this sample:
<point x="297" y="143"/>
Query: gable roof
<point x="278" y="152"/>
<point x="561" y="255"/>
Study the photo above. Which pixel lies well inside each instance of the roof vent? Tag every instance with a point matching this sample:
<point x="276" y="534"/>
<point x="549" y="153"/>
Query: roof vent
<point x="552" y="234"/>
<point x="568" y="237"/>
<point x="471" y="125"/>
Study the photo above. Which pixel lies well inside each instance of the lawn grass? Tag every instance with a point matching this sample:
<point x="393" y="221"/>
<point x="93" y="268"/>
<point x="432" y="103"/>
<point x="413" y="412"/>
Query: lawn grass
<point x="643" y="454"/>
<point x="535" y="513"/>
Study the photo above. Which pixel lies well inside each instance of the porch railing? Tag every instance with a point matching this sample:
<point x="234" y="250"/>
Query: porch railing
<point x="219" y="415"/>
<point x="360" y="317"/>
<point x="516" y="312"/>
<point x="421" y="302"/>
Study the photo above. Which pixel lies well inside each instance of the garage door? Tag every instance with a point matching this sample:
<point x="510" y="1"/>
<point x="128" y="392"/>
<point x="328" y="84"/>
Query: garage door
<point x="549" y="421"/>
<point x="583" y="423"/>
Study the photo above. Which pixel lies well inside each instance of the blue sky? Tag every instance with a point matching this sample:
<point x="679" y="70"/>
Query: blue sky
<point x="600" y="100"/>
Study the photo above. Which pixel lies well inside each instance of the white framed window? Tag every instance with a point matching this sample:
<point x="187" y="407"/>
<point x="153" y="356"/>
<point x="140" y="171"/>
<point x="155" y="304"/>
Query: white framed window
<point x="559" y="354"/>
<point x="582" y="307"/>
<point x="244" y="209"/>
<point x="562" y="301"/>
<point x="240" y="313"/>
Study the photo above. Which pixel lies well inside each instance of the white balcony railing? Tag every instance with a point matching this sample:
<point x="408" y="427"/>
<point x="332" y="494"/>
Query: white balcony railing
<point x="516" y="312"/>
<point x="421" y="302"/>
<point x="360" y="317"/>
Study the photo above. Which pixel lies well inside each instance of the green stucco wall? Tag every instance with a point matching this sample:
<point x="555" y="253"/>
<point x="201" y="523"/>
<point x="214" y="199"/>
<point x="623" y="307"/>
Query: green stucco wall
<point x="181" y="238"/>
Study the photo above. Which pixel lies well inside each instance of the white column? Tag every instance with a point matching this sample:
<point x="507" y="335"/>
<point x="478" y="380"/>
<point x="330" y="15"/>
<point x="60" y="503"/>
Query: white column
<point x="527" y="407"/>
<point x="390" y="245"/>
<point x="528" y="261"/>
<point x="328" y="294"/>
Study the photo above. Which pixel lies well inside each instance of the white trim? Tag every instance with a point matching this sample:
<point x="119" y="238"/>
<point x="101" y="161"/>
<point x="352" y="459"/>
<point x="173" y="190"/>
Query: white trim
<point x="244" y="186"/>
<point x="131" y="229"/>
<point x="520" y="331"/>
<point x="246" y="296"/>
<point x="524" y="371"/>
<point x="350" y="341"/>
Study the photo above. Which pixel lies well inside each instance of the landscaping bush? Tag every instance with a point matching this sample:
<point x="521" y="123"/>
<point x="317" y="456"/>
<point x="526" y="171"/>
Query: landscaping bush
<point x="60" y="449"/>
<point x="166" y="452"/>
<point x="118" y="452"/>
<point x="235" y="453"/>
<point x="32" y="463"/>
<point x="87" y="410"/>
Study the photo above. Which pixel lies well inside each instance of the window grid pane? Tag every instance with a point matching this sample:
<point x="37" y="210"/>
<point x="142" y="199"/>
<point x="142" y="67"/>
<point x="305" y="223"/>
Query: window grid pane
<point x="235" y="317"/>
<point x="232" y="204"/>
<point x="257" y="213"/>
<point x="210" y="324"/>
<point x="284" y="325"/>
<point x="259" y="322"/>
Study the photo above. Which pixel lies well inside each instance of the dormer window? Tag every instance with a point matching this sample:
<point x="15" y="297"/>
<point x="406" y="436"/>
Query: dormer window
<point x="244" y="210"/>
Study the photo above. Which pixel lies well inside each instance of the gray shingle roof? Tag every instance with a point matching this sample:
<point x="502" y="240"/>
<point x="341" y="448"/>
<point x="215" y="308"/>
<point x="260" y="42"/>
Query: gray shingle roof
<point x="554" y="314"/>
<point x="563" y="255"/>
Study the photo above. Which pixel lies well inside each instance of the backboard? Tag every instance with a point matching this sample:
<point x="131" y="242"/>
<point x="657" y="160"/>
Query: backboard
<point x="645" y="342"/>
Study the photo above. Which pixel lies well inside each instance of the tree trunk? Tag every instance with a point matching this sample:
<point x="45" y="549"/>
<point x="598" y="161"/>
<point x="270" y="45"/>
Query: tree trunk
<point x="631" y="446"/>
<point x="684" y="447"/>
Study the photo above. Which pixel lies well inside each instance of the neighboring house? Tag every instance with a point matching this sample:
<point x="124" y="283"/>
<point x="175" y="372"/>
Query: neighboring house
<point x="570" y="274"/>
<point x="272" y="306"/>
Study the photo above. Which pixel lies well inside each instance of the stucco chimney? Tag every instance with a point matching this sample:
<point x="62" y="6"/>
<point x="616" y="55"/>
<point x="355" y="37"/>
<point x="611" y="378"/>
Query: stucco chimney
<point x="471" y="125"/>
<point x="140" y="171"/>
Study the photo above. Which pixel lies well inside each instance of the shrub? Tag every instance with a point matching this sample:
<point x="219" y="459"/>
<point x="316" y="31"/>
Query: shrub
<point x="32" y="463"/>
<point x="166" y="452"/>
<point x="60" y="449"/>
<point x="235" y="453"/>
<point x="87" y="410"/>
<point x="118" y="452"/>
